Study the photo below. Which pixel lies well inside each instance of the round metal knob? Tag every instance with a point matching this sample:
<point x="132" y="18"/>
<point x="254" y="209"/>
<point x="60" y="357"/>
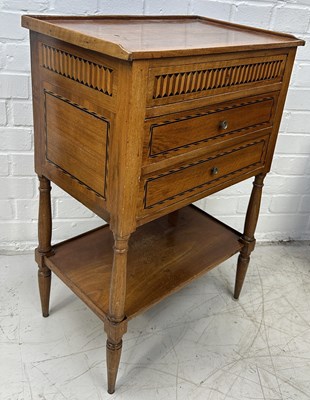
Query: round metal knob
<point x="214" y="171"/>
<point x="223" y="125"/>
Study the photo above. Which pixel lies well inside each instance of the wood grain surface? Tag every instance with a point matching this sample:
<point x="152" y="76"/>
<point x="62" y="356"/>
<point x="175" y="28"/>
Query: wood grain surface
<point x="153" y="37"/>
<point x="162" y="258"/>
<point x="136" y="118"/>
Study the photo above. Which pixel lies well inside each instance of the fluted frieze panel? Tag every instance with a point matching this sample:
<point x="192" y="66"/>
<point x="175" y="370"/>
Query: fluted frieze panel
<point x="93" y="75"/>
<point x="199" y="80"/>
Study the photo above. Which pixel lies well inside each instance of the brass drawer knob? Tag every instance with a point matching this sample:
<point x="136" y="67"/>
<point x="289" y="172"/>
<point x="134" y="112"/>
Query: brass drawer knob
<point x="214" y="171"/>
<point x="223" y="125"/>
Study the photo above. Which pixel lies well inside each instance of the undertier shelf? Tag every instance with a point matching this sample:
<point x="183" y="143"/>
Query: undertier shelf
<point x="164" y="255"/>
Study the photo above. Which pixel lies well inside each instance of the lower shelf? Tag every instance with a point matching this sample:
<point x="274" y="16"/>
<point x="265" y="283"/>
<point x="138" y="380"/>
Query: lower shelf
<point x="164" y="255"/>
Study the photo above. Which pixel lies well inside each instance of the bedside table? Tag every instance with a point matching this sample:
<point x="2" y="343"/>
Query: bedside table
<point x="136" y="118"/>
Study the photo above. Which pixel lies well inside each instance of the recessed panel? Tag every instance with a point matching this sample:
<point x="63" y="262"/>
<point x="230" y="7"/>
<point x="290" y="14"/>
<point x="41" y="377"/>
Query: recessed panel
<point x="76" y="141"/>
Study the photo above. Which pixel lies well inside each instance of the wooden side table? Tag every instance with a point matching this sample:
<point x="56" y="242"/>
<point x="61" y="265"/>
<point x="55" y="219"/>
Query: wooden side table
<point x="136" y="118"/>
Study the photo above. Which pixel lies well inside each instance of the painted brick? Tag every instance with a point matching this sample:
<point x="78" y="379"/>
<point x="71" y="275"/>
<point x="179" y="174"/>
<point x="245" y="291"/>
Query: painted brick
<point x="288" y="182"/>
<point x="235" y="221"/>
<point x="58" y="192"/>
<point x="12" y="188"/>
<point x="17" y="57"/>
<point x="24" y="6"/>
<point x="3" y="119"/>
<point x="303" y="75"/>
<point x="163" y="7"/>
<point x="216" y="205"/>
<point x="284" y="204"/>
<point x="211" y="9"/>
<point x="22" y="114"/>
<point x="4" y="165"/>
<point x="241" y="188"/>
<point x="295" y="143"/>
<point x="2" y="55"/>
<point x="22" y="164"/>
<point x="10" y="27"/>
<point x="69" y="208"/>
<point x="303" y="52"/>
<point x="298" y="99"/>
<point x="288" y="165"/>
<point x="15" y="139"/>
<point x="284" y="121"/>
<point x="291" y="19"/>
<point x="75" y="7"/>
<point x="63" y="230"/>
<point x="16" y="86"/>
<point x="294" y="74"/>
<point x="275" y="184"/>
<point x="299" y="122"/>
<point x="27" y="209"/>
<point x="120" y="7"/>
<point x="305" y="204"/>
<point x="16" y="231"/>
<point x="282" y="226"/>
<point x="6" y="209"/>
<point x="243" y="202"/>
<point x="255" y="15"/>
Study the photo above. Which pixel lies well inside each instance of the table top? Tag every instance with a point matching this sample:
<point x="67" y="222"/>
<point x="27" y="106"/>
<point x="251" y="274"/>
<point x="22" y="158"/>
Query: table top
<point x="134" y="37"/>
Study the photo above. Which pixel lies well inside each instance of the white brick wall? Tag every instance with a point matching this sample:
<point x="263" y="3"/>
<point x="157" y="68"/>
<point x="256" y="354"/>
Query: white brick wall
<point x="286" y="203"/>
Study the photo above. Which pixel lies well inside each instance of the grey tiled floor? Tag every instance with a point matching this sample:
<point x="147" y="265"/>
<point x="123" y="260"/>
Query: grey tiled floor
<point x="197" y="344"/>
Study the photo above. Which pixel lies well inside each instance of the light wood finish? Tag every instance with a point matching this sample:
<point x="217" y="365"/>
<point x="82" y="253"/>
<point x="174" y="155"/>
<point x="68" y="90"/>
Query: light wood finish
<point x="184" y="132"/>
<point x="67" y="123"/>
<point x="136" y="37"/>
<point x="45" y="248"/>
<point x="158" y="249"/>
<point x="136" y="118"/>
<point x="248" y="235"/>
<point x="186" y="179"/>
<point x="211" y="78"/>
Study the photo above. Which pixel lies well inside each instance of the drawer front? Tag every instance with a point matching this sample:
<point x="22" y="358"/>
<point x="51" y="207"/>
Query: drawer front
<point x="176" y="83"/>
<point x="201" y="175"/>
<point x="184" y="132"/>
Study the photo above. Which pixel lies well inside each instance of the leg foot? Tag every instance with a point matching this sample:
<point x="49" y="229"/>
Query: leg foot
<point x="247" y="238"/>
<point x="44" y="278"/>
<point x="114" y="351"/>
<point x="243" y="263"/>
<point x="45" y="248"/>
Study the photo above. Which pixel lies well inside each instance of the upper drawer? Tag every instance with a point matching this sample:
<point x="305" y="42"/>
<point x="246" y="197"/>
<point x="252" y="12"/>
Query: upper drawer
<point x="184" y="132"/>
<point x="176" y="83"/>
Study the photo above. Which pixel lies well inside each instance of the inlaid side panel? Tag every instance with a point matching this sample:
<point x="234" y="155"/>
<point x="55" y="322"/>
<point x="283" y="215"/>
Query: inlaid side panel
<point x="172" y="84"/>
<point x="91" y="74"/>
<point x="76" y="141"/>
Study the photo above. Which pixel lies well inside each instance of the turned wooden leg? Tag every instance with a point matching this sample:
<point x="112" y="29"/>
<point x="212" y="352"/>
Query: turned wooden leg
<point x="248" y="239"/>
<point x="116" y="324"/>
<point x="44" y="248"/>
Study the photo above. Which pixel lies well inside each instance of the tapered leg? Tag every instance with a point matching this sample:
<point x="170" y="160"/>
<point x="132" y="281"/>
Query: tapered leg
<point x="44" y="248"/>
<point x="116" y="324"/>
<point x="248" y="239"/>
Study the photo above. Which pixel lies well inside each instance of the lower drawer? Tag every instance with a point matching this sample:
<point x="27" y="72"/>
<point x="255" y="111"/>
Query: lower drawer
<point x="200" y="175"/>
